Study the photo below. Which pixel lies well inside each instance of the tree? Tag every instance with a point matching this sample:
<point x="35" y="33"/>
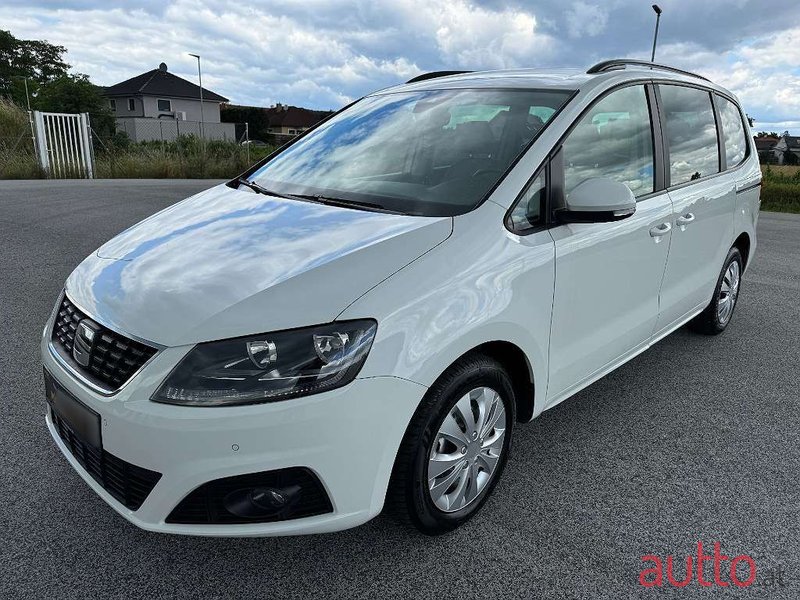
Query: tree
<point x="38" y="61"/>
<point x="76" y="94"/>
<point x="765" y="134"/>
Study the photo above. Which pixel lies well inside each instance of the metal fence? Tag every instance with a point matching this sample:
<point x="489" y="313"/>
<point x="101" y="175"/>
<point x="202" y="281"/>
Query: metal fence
<point x="64" y="145"/>
<point x="168" y="130"/>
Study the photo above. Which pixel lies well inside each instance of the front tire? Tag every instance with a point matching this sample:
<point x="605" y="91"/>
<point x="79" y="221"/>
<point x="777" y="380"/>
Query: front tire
<point x="716" y="317"/>
<point x="455" y="448"/>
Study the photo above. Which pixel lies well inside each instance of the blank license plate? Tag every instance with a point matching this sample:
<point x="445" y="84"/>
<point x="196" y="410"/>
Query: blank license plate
<point x="82" y="419"/>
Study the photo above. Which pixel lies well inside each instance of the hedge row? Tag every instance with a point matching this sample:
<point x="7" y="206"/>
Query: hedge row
<point x="780" y="197"/>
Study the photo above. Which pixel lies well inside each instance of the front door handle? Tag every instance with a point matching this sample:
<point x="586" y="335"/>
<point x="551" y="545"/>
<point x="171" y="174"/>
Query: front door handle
<point x="659" y="230"/>
<point x="684" y="220"/>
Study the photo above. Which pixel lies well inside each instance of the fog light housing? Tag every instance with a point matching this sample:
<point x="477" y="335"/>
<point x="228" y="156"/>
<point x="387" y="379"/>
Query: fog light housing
<point x="264" y="497"/>
<point x="260" y="502"/>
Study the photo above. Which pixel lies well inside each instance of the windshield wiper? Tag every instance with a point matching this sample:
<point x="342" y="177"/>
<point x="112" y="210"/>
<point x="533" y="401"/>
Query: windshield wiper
<point x="342" y="202"/>
<point x="261" y="190"/>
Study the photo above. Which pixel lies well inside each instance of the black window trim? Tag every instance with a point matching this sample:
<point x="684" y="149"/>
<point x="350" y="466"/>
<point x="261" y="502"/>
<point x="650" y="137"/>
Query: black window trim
<point x="659" y="82"/>
<point x="544" y="216"/>
<point x="655" y="135"/>
<point x="554" y="162"/>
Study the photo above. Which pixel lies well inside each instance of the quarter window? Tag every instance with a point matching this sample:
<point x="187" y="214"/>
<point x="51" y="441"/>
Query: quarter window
<point x="614" y="140"/>
<point x="733" y="132"/>
<point x="527" y="213"/>
<point x="164" y="105"/>
<point x="691" y="133"/>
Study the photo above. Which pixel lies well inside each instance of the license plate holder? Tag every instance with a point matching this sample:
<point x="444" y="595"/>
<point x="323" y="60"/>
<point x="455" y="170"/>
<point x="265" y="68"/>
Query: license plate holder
<point x="83" y="420"/>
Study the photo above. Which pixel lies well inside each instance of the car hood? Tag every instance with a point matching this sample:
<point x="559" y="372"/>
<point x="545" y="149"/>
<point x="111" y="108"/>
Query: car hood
<point x="226" y="263"/>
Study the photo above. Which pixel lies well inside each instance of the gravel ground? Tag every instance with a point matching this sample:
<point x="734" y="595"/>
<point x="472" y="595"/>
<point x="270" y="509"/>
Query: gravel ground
<point x="696" y="439"/>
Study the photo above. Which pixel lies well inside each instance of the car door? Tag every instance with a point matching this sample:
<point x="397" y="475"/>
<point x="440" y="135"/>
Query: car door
<point x="703" y="201"/>
<point x="608" y="274"/>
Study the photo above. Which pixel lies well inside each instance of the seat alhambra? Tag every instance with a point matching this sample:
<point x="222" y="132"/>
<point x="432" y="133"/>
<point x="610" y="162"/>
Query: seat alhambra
<point x="362" y="319"/>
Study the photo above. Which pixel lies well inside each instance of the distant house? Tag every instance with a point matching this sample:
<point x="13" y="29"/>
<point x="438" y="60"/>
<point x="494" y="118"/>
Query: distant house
<point x="787" y="149"/>
<point x="765" y="143"/>
<point x="292" y="120"/>
<point x="158" y="105"/>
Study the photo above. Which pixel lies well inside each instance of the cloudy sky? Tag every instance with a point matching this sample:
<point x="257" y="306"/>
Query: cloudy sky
<point x="323" y="53"/>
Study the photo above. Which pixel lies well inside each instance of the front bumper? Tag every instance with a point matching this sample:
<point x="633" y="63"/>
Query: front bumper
<point x="347" y="437"/>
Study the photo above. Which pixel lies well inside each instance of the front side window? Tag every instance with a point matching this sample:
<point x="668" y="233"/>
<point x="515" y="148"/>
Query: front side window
<point x="733" y="132"/>
<point x="164" y="105"/>
<point x="427" y="153"/>
<point x="613" y="139"/>
<point x="691" y="133"/>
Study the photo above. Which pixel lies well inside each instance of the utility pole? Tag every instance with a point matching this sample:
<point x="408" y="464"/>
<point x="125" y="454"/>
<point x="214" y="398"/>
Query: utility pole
<point x="200" y="78"/>
<point x="657" y="10"/>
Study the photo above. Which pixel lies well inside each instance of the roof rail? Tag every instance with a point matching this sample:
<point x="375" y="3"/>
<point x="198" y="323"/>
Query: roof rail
<point x="621" y="63"/>
<point x="434" y="75"/>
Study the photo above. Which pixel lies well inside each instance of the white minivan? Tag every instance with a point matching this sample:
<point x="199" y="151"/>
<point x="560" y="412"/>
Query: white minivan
<point x="361" y="320"/>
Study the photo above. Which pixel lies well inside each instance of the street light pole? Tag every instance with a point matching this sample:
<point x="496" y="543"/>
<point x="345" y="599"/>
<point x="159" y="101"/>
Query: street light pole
<point x="657" y="10"/>
<point x="200" y="78"/>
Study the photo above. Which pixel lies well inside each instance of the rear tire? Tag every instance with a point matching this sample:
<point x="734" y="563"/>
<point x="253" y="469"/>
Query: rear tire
<point x="461" y="436"/>
<point x="716" y="317"/>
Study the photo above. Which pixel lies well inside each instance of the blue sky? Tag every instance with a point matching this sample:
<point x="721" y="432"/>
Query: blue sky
<point x="324" y="53"/>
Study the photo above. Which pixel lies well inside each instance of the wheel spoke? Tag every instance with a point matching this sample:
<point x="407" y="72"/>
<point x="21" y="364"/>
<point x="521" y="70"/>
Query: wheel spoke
<point x="456" y="499"/>
<point x="464" y="409"/>
<point x="497" y="412"/>
<point x="451" y="430"/>
<point x="440" y="463"/>
<point x="438" y="488"/>
<point x="488" y="461"/>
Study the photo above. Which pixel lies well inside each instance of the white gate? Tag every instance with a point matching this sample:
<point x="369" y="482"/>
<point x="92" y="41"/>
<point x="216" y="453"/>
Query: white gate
<point x="64" y="144"/>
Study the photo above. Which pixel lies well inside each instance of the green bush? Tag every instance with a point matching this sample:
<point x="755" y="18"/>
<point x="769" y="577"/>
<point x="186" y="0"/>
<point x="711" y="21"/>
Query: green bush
<point x="780" y="197"/>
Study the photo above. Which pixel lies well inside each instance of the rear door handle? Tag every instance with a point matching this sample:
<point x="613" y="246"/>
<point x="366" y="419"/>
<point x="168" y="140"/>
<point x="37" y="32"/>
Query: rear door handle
<point x="684" y="220"/>
<point x="659" y="230"/>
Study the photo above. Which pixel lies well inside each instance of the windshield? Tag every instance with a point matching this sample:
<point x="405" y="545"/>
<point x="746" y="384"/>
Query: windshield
<point x="432" y="153"/>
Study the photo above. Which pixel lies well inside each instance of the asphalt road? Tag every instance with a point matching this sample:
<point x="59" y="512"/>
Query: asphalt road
<point x="696" y="439"/>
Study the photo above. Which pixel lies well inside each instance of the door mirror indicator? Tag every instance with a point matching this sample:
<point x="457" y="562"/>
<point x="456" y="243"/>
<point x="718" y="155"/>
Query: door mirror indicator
<point x="598" y="200"/>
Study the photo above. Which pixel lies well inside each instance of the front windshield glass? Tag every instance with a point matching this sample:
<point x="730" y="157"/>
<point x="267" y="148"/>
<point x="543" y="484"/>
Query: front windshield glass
<point x="432" y="153"/>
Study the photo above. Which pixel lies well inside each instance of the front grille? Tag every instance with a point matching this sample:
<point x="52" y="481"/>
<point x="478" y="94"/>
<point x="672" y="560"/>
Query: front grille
<point x="114" y="358"/>
<point x="205" y="505"/>
<point x="126" y="482"/>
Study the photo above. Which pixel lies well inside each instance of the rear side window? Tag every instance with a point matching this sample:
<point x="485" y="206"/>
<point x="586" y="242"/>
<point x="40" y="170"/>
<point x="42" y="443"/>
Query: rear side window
<point x="691" y="133"/>
<point x="732" y="132"/>
<point x="614" y="140"/>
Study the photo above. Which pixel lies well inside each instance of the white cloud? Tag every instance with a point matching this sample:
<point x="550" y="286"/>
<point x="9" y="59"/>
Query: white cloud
<point x="324" y="53"/>
<point x="584" y="19"/>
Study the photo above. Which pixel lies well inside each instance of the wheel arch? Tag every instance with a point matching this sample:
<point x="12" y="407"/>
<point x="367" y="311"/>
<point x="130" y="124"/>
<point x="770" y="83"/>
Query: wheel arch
<point x="743" y="244"/>
<point x="519" y="369"/>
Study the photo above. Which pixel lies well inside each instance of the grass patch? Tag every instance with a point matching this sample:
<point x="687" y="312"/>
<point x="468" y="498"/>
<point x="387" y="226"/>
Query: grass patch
<point x="184" y="158"/>
<point x="780" y="191"/>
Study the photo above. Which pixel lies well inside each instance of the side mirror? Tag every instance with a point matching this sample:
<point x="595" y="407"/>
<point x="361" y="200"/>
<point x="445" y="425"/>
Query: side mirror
<point x="598" y="200"/>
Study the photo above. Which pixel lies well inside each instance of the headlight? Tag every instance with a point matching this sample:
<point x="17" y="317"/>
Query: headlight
<point x="270" y="366"/>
